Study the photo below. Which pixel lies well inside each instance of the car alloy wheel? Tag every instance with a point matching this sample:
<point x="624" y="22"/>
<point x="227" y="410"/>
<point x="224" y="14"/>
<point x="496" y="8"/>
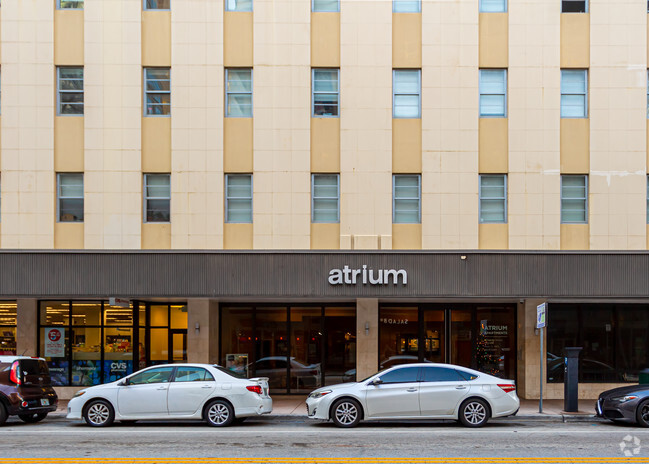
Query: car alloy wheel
<point x="219" y="414"/>
<point x="642" y="415"/>
<point x="474" y="413"/>
<point x="346" y="413"/>
<point x="99" y="414"/>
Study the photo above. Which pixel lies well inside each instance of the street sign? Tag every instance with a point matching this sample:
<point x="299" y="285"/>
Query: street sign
<point x="540" y="316"/>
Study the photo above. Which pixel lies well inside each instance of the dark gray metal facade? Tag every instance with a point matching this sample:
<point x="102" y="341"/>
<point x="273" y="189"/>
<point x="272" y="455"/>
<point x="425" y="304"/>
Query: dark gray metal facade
<point x="304" y="274"/>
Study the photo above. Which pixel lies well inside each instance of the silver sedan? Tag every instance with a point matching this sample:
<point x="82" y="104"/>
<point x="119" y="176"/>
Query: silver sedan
<point x="417" y="391"/>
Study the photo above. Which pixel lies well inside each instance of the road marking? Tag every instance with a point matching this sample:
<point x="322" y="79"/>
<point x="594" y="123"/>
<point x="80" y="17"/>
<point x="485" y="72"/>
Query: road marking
<point x="346" y="460"/>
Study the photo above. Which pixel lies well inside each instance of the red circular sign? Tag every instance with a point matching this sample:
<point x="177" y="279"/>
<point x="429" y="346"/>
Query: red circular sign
<point x="54" y="335"/>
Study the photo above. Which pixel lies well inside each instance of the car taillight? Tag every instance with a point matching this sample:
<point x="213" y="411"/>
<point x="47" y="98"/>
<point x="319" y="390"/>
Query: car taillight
<point x="507" y="387"/>
<point x="254" y="389"/>
<point x="14" y="375"/>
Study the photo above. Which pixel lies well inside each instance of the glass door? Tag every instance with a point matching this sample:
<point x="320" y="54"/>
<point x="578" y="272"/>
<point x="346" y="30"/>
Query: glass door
<point x="434" y="336"/>
<point x="271" y="347"/>
<point x="461" y="337"/>
<point x="178" y="345"/>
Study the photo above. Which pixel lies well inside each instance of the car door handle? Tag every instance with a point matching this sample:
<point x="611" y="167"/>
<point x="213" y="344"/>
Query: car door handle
<point x="161" y="388"/>
<point x="412" y="390"/>
<point x="206" y="386"/>
<point x="461" y="387"/>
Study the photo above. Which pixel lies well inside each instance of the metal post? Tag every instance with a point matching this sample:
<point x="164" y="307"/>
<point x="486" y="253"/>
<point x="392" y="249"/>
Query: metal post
<point x="541" y="373"/>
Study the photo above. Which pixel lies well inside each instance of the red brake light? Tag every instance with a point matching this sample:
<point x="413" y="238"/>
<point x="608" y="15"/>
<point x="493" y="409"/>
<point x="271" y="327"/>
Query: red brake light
<point x="14" y="375"/>
<point x="254" y="389"/>
<point x="507" y="387"/>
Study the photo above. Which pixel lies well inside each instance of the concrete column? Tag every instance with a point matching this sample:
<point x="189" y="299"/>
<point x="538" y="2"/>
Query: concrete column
<point x="367" y="344"/>
<point x="27" y="327"/>
<point x="528" y="351"/>
<point x="202" y="331"/>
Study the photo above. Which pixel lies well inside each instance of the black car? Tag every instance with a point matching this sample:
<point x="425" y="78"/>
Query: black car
<point x="625" y="404"/>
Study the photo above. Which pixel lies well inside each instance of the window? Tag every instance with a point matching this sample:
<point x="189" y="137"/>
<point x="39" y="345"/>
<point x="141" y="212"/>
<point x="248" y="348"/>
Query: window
<point x="325" y="5"/>
<point x="238" y="5"/>
<point x="400" y="375"/>
<point x="71" y="4"/>
<point x="574" y="199"/>
<point x="70" y="94"/>
<point x="238" y="93"/>
<point x="325" y="198"/>
<point x="406" y="85"/>
<point x="70" y="197"/>
<point x="8" y="323"/>
<point x="155" y="375"/>
<point x="326" y="92"/>
<point x="406" y="6"/>
<point x="406" y="195"/>
<point x="493" y="6"/>
<point x="157" y="198"/>
<point x="238" y="198"/>
<point x="574" y="6"/>
<point x="493" y="93"/>
<point x="493" y="198"/>
<point x="156" y="4"/>
<point x="574" y="86"/>
<point x="193" y="374"/>
<point x="157" y="91"/>
<point x="441" y="374"/>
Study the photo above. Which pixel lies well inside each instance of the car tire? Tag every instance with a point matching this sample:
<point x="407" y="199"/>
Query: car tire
<point x="474" y="413"/>
<point x="642" y="414"/>
<point x="219" y="413"/>
<point x="99" y="413"/>
<point x="32" y="418"/>
<point x="3" y="414"/>
<point x="346" y="413"/>
<point x="239" y="420"/>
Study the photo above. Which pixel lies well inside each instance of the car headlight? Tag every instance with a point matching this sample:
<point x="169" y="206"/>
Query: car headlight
<point x="79" y="393"/>
<point x="624" y="399"/>
<point x="320" y="394"/>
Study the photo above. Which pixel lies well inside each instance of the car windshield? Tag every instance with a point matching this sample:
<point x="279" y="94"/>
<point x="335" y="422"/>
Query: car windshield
<point x="236" y="375"/>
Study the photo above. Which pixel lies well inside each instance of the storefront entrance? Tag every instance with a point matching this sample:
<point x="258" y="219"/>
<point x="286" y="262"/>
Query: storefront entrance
<point x="299" y="348"/>
<point x="478" y="336"/>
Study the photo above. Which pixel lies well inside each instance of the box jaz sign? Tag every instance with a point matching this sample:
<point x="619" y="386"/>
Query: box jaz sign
<point x="365" y="276"/>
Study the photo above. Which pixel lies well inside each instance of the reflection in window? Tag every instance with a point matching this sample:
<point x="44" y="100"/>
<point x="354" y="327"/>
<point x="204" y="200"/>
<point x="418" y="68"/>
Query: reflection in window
<point x="8" y="320"/>
<point x="238" y="5"/>
<point x="157" y="90"/>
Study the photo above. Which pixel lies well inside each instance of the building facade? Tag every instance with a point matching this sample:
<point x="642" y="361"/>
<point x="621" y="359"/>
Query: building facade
<point x="401" y="136"/>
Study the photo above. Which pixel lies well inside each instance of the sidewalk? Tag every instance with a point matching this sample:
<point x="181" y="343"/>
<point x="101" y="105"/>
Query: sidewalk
<point x="294" y="405"/>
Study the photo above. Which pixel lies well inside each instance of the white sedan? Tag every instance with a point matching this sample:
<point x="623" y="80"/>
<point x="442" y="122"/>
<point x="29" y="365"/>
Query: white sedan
<point x="174" y="391"/>
<point x="417" y="391"/>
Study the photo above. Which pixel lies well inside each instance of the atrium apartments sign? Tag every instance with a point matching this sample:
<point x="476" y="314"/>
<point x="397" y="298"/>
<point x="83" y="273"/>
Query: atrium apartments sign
<point x="365" y="276"/>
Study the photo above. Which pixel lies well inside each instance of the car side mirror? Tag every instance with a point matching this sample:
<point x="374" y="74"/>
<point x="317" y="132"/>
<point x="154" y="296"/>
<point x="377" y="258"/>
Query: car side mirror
<point x="376" y="381"/>
<point x="124" y="383"/>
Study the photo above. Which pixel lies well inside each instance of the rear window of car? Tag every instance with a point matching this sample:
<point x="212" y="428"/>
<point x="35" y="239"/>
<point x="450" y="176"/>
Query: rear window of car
<point x="236" y="375"/>
<point x="34" y="367"/>
<point x="467" y="375"/>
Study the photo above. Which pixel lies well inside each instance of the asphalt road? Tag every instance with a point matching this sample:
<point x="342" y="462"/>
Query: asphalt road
<point x="298" y="440"/>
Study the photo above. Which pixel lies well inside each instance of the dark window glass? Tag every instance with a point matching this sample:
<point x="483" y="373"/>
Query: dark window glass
<point x="306" y="349"/>
<point x="441" y="374"/>
<point x="399" y="336"/>
<point x="157" y="4"/>
<point x="495" y="349"/>
<point x="237" y="340"/>
<point x="271" y="344"/>
<point x="156" y="375"/>
<point x="192" y="374"/>
<point x="467" y="375"/>
<point x="401" y="375"/>
<point x="573" y="6"/>
<point x="340" y="359"/>
<point x="631" y="337"/>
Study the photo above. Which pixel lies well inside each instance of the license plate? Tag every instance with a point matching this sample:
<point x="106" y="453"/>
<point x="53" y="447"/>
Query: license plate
<point x="45" y="402"/>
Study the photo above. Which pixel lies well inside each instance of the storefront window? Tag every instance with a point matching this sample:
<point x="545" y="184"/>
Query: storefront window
<point x="8" y="328"/>
<point x="399" y="336"/>
<point x="340" y="349"/>
<point x="495" y="349"/>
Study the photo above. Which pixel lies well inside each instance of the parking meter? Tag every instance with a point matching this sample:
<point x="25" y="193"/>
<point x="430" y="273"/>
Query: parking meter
<point x="571" y="379"/>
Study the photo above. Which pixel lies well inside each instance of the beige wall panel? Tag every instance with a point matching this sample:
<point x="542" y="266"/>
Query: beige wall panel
<point x="406" y="236"/>
<point x="618" y="113"/>
<point x="113" y="120"/>
<point x="238" y="43"/>
<point x="68" y="143"/>
<point x="156" y="144"/>
<point x="282" y="102"/>
<point x="156" y="38"/>
<point x="238" y="142"/>
<point x="68" y="235"/>
<point x="197" y="125"/>
<point x="68" y="37"/>
<point x="575" y="146"/>
<point x="367" y="342"/>
<point x="406" y="40"/>
<point x="575" y="237"/>
<point x="493" y="146"/>
<point x="156" y="236"/>
<point x="325" y="236"/>
<point x="237" y="236"/>
<point x="27" y="321"/>
<point x="450" y="125"/>
<point x="494" y="40"/>
<point x="203" y="342"/>
<point x="533" y="109"/>
<point x="366" y="120"/>
<point x="27" y="150"/>
<point x="575" y="40"/>
<point x="325" y="144"/>
<point x="325" y="40"/>
<point x="493" y="236"/>
<point x="406" y="146"/>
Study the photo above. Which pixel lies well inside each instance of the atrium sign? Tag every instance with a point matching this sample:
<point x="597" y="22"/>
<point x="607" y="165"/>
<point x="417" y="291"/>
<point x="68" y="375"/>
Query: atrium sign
<point x="365" y="276"/>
